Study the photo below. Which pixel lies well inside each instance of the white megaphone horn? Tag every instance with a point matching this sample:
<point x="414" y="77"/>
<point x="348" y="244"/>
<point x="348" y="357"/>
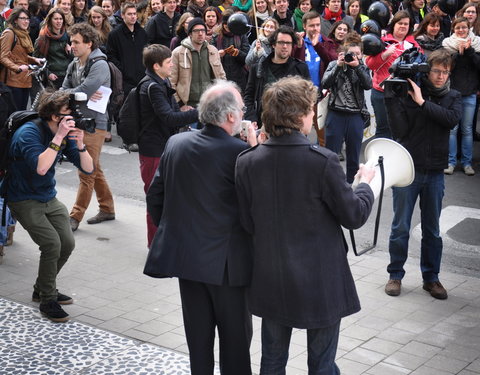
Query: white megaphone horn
<point x="393" y="167"/>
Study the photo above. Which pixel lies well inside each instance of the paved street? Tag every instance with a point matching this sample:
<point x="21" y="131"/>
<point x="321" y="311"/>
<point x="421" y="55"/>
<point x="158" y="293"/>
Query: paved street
<point x="124" y="322"/>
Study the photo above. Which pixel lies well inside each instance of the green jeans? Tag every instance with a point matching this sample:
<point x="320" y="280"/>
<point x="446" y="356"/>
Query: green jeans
<point x="49" y="227"/>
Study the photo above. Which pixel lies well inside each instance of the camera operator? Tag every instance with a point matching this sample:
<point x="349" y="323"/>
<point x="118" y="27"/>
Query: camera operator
<point x="347" y="78"/>
<point x="31" y="192"/>
<point x="87" y="77"/>
<point x="422" y="124"/>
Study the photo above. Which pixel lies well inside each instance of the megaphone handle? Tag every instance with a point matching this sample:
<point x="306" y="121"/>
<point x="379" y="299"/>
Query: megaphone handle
<point x="377" y="219"/>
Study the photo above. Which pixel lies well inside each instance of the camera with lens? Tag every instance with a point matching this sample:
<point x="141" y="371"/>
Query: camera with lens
<point x="349" y="57"/>
<point x="410" y="64"/>
<point x="81" y="122"/>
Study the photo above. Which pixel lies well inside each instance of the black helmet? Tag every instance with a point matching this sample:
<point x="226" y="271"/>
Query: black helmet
<point x="379" y="12"/>
<point x="372" y="44"/>
<point x="238" y="24"/>
<point x="370" y="26"/>
<point x="448" y="6"/>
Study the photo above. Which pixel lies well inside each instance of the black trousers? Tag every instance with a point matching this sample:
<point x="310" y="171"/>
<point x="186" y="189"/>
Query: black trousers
<point x="207" y="306"/>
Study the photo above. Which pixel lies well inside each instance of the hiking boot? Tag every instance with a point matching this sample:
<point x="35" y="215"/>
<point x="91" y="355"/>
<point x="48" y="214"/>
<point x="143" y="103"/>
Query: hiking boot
<point x="469" y="171"/>
<point x="53" y="311"/>
<point x="62" y="299"/>
<point x="74" y="223"/>
<point x="393" y="287"/>
<point x="10" y="231"/>
<point x="449" y="170"/>
<point x="436" y="290"/>
<point x="101" y="216"/>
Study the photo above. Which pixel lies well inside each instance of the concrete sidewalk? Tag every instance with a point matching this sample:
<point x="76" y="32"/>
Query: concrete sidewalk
<point x="410" y="334"/>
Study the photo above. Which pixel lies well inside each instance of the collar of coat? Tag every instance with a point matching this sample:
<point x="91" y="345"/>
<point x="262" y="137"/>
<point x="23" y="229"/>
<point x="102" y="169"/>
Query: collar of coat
<point x="294" y="139"/>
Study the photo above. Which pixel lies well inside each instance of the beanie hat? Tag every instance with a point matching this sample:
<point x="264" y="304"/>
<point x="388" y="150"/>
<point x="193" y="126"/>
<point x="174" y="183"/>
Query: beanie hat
<point x="196" y="21"/>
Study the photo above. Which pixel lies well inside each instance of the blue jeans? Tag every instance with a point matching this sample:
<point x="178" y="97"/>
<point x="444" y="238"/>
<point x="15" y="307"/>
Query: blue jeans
<point x="322" y="348"/>
<point x="348" y="127"/>
<point x="9" y="221"/>
<point x="20" y="97"/>
<point x="430" y="187"/>
<point x="466" y="125"/>
<point x="381" y="119"/>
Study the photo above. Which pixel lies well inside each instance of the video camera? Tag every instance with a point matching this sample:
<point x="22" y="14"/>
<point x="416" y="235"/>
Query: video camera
<point x="81" y="122"/>
<point x="410" y="64"/>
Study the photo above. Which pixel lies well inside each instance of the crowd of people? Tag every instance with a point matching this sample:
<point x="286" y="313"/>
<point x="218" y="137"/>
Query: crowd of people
<point x="171" y="53"/>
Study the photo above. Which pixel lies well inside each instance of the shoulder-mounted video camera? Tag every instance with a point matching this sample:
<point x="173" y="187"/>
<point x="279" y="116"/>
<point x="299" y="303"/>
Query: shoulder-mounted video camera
<point x="410" y="64"/>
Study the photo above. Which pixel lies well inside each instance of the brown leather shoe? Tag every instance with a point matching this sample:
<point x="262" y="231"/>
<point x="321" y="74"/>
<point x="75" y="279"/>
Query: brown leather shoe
<point x="436" y="290"/>
<point x="101" y="216"/>
<point x="393" y="287"/>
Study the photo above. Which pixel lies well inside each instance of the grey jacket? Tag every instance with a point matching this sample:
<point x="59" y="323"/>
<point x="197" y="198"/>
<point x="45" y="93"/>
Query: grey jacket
<point x="346" y="86"/>
<point x="254" y="56"/>
<point x="99" y="75"/>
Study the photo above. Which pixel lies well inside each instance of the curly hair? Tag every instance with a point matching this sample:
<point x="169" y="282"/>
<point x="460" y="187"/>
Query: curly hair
<point x="51" y="102"/>
<point x="285" y="103"/>
<point x="88" y="33"/>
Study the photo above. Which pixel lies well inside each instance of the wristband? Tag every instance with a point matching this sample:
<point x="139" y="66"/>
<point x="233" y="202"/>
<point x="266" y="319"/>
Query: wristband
<point x="54" y="146"/>
<point x="83" y="149"/>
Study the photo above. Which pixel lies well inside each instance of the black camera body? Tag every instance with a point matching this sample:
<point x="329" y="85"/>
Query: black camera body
<point x="81" y="122"/>
<point x="349" y="57"/>
<point x="410" y="64"/>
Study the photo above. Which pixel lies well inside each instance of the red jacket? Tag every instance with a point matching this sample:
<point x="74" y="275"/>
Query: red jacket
<point x="379" y="67"/>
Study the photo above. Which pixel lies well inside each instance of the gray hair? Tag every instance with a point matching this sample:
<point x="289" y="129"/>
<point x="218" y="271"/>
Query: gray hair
<point x="217" y="102"/>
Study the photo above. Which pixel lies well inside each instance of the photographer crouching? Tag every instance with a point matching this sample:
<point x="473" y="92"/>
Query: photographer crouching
<point x="35" y="149"/>
<point x="421" y="122"/>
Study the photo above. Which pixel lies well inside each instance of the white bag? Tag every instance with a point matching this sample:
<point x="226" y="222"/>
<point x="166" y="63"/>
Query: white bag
<point x="322" y="110"/>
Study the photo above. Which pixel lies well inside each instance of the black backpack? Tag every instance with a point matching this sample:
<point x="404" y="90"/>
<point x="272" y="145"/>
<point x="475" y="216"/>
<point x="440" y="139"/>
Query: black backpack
<point x="116" y="84"/>
<point x="13" y="123"/>
<point x="129" y="125"/>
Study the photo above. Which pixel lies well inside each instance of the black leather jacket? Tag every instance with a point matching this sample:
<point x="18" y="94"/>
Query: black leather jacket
<point x="346" y="86"/>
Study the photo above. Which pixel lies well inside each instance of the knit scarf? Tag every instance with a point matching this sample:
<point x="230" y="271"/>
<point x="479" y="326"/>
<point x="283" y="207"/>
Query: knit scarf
<point x="263" y="16"/>
<point x="435" y="91"/>
<point x="451" y="43"/>
<point x="430" y="44"/>
<point x="23" y="39"/>
<point x="43" y="41"/>
<point x="297" y="15"/>
<point x="330" y="16"/>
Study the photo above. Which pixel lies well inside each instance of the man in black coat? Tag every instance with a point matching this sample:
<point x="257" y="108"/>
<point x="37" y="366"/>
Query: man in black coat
<point x="161" y="27"/>
<point x="160" y="116"/>
<point x="277" y="65"/>
<point x="422" y="124"/>
<point x="199" y="238"/>
<point x="125" y="46"/>
<point x="294" y="200"/>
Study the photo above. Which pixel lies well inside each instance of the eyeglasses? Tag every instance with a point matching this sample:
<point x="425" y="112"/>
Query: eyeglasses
<point x="199" y="31"/>
<point x="23" y="18"/>
<point x="243" y="109"/>
<point x="470" y="11"/>
<point x="440" y="72"/>
<point x="281" y="43"/>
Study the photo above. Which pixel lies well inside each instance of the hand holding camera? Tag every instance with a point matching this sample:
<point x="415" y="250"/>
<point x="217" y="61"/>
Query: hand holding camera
<point x="415" y="93"/>
<point x="66" y="125"/>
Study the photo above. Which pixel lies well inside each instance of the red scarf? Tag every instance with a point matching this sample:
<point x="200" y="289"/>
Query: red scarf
<point x="329" y="15"/>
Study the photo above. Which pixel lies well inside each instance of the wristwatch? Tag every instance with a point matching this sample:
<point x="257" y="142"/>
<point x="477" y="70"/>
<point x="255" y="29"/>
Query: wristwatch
<point x="83" y="149"/>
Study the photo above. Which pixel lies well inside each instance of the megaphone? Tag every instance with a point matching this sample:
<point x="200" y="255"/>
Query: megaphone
<point x="397" y="164"/>
<point x="393" y="167"/>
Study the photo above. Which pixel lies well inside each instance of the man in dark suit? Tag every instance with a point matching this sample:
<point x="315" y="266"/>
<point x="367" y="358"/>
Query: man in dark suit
<point x="294" y="202"/>
<point x="199" y="239"/>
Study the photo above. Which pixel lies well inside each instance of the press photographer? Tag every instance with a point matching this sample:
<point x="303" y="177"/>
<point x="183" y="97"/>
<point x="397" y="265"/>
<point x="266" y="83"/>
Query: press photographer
<point x="421" y="123"/>
<point x="35" y="149"/>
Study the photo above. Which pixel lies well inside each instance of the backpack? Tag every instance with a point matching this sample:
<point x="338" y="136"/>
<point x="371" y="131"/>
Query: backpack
<point x="13" y="123"/>
<point x="116" y="84"/>
<point x="129" y="125"/>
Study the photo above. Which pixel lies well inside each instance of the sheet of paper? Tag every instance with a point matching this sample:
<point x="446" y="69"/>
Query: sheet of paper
<point x="100" y="105"/>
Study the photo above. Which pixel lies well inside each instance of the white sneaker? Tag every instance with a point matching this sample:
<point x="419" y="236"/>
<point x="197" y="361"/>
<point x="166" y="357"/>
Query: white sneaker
<point x="450" y="169"/>
<point x="469" y="170"/>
